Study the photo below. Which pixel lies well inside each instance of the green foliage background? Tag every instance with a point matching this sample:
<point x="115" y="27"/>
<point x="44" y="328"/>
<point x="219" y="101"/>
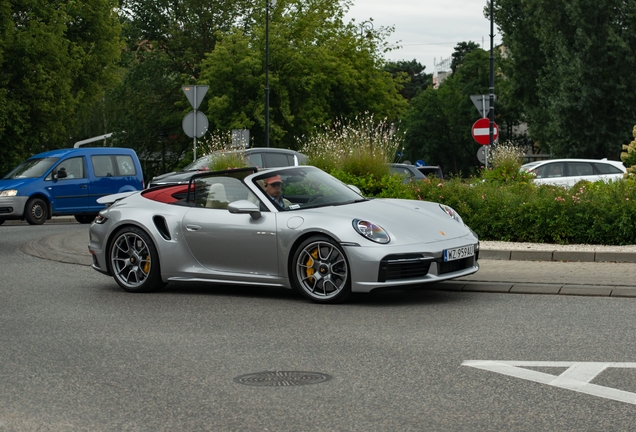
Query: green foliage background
<point x="72" y="70"/>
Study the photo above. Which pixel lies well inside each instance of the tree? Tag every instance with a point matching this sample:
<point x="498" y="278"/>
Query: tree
<point x="320" y="70"/>
<point x="53" y="60"/>
<point x="461" y="50"/>
<point x="184" y="30"/>
<point x="574" y="68"/>
<point x="417" y="80"/>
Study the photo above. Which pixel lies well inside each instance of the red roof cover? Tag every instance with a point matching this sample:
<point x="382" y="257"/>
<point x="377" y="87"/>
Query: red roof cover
<point x="165" y="195"/>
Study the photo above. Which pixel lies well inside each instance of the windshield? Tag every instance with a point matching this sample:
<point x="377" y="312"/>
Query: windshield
<point x="201" y="163"/>
<point x="528" y="166"/>
<point x="32" y="168"/>
<point x="308" y="187"/>
<point x="204" y="162"/>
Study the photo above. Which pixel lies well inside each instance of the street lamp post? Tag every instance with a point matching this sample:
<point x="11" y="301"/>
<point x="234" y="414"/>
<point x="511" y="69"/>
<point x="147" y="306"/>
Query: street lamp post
<point x="268" y="4"/>
<point x="163" y="137"/>
<point x="491" y="113"/>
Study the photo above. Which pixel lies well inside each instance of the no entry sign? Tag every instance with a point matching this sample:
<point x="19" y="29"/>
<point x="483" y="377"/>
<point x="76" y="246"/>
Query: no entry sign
<point x="481" y="131"/>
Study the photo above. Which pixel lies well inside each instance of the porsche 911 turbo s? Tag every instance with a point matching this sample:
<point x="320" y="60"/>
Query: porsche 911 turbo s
<point x="323" y="238"/>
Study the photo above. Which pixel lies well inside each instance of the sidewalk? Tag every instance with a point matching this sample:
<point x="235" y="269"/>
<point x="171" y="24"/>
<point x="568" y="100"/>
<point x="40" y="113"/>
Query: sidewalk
<point x="493" y="250"/>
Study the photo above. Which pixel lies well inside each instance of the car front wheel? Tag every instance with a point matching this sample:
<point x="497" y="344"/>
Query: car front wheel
<point x="320" y="271"/>
<point x="36" y="211"/>
<point x="134" y="261"/>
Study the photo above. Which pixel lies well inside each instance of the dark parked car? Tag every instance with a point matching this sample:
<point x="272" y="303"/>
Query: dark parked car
<point x="259" y="157"/>
<point x="409" y="172"/>
<point x="431" y="169"/>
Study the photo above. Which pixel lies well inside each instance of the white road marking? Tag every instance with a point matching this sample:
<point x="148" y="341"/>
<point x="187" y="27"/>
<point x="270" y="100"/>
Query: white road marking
<point x="577" y="377"/>
<point x="485" y="131"/>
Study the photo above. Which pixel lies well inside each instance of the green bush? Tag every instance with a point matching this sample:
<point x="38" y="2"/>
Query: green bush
<point x="521" y="211"/>
<point x="501" y="204"/>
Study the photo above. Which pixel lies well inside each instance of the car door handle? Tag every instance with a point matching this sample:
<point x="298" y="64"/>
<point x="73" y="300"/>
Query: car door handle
<point x="191" y="227"/>
<point x="83" y="186"/>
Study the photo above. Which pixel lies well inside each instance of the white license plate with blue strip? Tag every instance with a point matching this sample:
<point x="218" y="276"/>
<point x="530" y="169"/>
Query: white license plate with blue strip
<point x="459" y="253"/>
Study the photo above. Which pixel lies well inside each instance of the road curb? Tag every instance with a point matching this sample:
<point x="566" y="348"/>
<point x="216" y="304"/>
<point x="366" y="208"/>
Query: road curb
<point x="529" y="288"/>
<point x="556" y="255"/>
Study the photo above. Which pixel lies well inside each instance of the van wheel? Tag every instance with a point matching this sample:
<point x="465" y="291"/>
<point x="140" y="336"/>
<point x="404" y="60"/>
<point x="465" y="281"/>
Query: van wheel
<point x="36" y="211"/>
<point x="85" y="219"/>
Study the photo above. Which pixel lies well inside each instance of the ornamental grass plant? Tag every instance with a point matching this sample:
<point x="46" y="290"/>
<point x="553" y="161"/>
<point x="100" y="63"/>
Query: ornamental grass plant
<point x="228" y="154"/>
<point x="360" y="148"/>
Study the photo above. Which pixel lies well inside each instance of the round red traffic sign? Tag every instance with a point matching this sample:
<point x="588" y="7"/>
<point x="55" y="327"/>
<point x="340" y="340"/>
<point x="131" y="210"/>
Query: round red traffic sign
<point x="481" y="131"/>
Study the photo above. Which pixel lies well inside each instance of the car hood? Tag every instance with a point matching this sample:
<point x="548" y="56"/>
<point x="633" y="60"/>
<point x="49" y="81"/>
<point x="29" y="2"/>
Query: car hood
<point x="16" y="183"/>
<point x="419" y="221"/>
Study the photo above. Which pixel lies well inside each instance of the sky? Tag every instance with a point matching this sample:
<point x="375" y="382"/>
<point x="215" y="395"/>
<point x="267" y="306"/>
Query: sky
<point x="428" y="30"/>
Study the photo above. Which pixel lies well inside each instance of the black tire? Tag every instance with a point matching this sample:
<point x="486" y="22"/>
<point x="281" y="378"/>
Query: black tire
<point x="36" y="211"/>
<point x="1" y="221"/>
<point x="320" y="271"/>
<point x="134" y="261"/>
<point x="85" y="219"/>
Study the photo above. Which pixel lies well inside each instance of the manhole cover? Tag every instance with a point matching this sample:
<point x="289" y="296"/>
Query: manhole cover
<point x="282" y="378"/>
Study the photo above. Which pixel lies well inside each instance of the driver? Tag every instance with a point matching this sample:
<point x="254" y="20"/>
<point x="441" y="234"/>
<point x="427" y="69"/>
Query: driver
<point x="274" y="188"/>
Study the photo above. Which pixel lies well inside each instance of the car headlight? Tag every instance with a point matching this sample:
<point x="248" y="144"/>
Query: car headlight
<point x="371" y="231"/>
<point x="452" y="213"/>
<point x="8" y="192"/>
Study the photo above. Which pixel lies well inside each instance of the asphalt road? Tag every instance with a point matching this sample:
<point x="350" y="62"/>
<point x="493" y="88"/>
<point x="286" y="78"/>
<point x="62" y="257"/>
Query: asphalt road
<point x="79" y="354"/>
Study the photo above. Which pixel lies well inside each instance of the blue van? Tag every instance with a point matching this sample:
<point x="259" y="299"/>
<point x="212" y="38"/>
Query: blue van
<point x="68" y="182"/>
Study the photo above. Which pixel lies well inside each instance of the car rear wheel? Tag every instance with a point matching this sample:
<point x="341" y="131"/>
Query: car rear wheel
<point x="36" y="211"/>
<point x="320" y="271"/>
<point x="85" y="219"/>
<point x="134" y="261"/>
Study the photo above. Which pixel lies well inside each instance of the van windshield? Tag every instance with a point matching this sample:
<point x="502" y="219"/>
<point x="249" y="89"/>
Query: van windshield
<point x="31" y="168"/>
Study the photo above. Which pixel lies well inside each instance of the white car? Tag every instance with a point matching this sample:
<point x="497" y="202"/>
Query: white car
<point x="567" y="172"/>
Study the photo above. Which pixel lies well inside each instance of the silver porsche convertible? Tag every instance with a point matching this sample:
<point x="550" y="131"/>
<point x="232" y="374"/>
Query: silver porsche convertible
<point x="323" y="238"/>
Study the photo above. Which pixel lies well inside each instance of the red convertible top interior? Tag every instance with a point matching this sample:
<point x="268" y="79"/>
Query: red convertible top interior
<point x="166" y="195"/>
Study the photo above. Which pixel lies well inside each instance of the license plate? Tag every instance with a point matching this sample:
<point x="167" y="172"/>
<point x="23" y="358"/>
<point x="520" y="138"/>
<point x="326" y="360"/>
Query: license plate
<point x="459" y="253"/>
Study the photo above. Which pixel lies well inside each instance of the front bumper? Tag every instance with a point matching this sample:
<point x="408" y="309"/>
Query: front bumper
<point x="380" y="268"/>
<point x="12" y="207"/>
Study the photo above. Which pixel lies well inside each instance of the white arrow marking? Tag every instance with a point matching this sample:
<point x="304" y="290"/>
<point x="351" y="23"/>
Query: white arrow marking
<point x="577" y="377"/>
<point x="485" y="131"/>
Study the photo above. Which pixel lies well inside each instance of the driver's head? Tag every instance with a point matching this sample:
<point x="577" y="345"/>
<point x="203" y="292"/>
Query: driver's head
<point x="273" y="186"/>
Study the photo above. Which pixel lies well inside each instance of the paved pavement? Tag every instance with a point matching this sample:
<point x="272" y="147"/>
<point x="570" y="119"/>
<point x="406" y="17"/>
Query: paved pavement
<point x="520" y="268"/>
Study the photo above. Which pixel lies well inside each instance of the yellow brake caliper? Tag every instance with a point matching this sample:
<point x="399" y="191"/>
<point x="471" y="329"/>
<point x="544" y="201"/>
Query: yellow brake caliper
<point x="147" y="265"/>
<point x="310" y="262"/>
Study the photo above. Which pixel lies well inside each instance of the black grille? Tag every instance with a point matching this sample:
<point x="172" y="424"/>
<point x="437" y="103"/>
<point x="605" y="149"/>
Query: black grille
<point x="453" y="266"/>
<point x="6" y="209"/>
<point x="397" y="267"/>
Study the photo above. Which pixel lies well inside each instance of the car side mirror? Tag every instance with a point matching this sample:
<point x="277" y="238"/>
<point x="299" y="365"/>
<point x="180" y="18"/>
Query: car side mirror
<point x="244" y="207"/>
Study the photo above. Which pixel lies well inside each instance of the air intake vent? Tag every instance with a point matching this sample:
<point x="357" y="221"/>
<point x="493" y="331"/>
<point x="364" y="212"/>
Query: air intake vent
<point x="453" y="266"/>
<point x="162" y="226"/>
<point x="397" y="267"/>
